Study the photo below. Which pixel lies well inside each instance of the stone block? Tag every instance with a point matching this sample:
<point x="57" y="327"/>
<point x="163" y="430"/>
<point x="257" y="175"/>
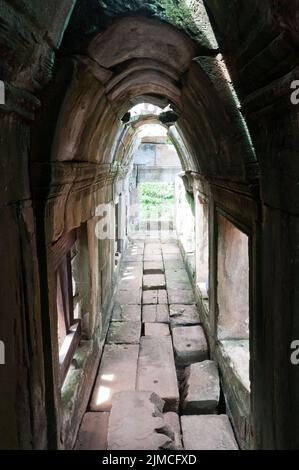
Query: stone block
<point x="203" y="389"/>
<point x="173" y="421"/>
<point x="126" y="313"/>
<point x="208" y="432"/>
<point x="128" y="297"/>
<point x="127" y="332"/>
<point x="155" y="313"/>
<point x="156" y="329"/>
<point x="137" y="423"/>
<point x="153" y="281"/>
<point x="93" y="431"/>
<point x="183" y="315"/>
<point x="190" y="345"/>
<point x="156" y="370"/>
<point x="185" y="297"/>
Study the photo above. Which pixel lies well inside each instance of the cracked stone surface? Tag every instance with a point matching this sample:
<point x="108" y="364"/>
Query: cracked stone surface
<point x="208" y="432"/>
<point x="203" y="389"/>
<point x="137" y="422"/>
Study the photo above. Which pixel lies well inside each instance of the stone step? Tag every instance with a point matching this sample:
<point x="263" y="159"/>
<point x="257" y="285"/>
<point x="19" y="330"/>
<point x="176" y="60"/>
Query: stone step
<point x="156" y="370"/>
<point x="208" y="432"/>
<point x="126" y="332"/>
<point x="203" y="389"/>
<point x="183" y="315"/>
<point x="156" y="329"/>
<point x="93" y="432"/>
<point x="137" y="423"/>
<point x="190" y="345"/>
<point x="153" y="267"/>
<point x="153" y="281"/>
<point x="118" y="371"/>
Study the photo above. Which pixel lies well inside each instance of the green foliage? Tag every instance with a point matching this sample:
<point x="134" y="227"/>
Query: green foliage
<point x="156" y="196"/>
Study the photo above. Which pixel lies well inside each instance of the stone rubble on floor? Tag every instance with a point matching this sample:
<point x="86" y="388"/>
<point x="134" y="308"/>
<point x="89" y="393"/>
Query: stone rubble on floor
<point x="155" y="363"/>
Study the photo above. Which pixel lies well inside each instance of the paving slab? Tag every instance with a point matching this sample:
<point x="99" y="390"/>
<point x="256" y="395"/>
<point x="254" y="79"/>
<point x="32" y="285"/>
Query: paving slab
<point x="126" y="332"/>
<point x="149" y="297"/>
<point x="162" y="297"/>
<point x="183" y="315"/>
<point x="154" y="281"/>
<point x="126" y="313"/>
<point x="128" y="297"/>
<point x="185" y="297"/>
<point x="155" y="313"/>
<point x="208" y="432"/>
<point x="137" y="423"/>
<point x="190" y="345"/>
<point x="156" y="370"/>
<point x="117" y="372"/>
<point x="177" y="279"/>
<point x="174" y="264"/>
<point x="150" y="257"/>
<point x="203" y="389"/>
<point x="93" y="432"/>
<point x="156" y="329"/>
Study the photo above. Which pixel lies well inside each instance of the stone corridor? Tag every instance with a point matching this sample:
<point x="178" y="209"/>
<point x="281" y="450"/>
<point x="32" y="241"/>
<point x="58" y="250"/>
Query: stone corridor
<point x="156" y="387"/>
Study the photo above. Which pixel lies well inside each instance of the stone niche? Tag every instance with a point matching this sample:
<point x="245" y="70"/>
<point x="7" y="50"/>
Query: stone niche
<point x="232" y="282"/>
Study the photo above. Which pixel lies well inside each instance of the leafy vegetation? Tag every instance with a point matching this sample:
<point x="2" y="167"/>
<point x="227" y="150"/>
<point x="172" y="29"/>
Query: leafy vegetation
<point x="156" y="197"/>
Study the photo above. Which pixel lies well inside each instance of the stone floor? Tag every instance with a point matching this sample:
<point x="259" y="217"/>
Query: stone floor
<point x="156" y="387"/>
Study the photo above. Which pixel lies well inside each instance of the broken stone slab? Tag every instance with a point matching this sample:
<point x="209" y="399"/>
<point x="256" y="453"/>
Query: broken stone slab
<point x="156" y="370"/>
<point x="185" y="297"/>
<point x="156" y="329"/>
<point x="137" y="422"/>
<point x="127" y="332"/>
<point x="93" y="431"/>
<point x="190" y="345"/>
<point x="128" y="297"/>
<point x="183" y="315"/>
<point x="173" y="421"/>
<point x="155" y="313"/>
<point x="126" y="313"/>
<point x="117" y="372"/>
<point x="208" y="432"/>
<point x="153" y="281"/>
<point x="203" y="389"/>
